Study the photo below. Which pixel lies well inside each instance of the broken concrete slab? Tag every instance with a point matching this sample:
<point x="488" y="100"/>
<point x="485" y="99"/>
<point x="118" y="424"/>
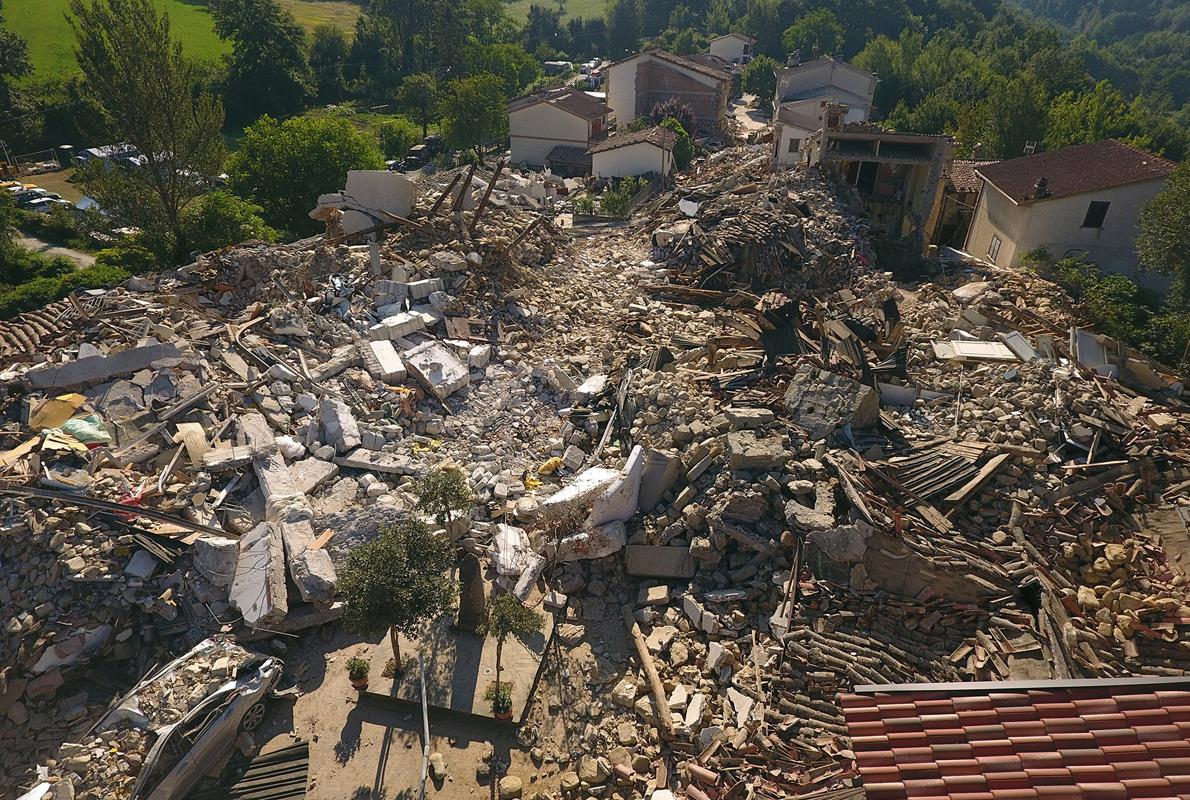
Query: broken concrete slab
<point x="659" y="561"/>
<point x="580" y="493"/>
<point x="660" y="473"/>
<point x="382" y="361"/>
<point x="846" y="544"/>
<point x="309" y="474"/>
<point x="338" y="425"/>
<point x="373" y="461"/>
<point x="748" y="418"/>
<point x="437" y="369"/>
<point x="95" y="369"/>
<point x="593" y="542"/>
<point x="619" y="501"/>
<point x="821" y="401"/>
<point x="258" y="587"/>
<point x="371" y="196"/>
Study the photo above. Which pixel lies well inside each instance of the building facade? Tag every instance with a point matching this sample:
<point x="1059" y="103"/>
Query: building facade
<point x="734" y="48"/>
<point x="636" y="84"/>
<point x="648" y="152"/>
<point x="1085" y="199"/>
<point x="540" y="122"/>
<point x="803" y="93"/>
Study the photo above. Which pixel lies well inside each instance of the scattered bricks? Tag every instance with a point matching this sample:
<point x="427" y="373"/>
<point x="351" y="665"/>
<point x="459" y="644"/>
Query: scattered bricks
<point x="382" y="361"/>
<point x="396" y="326"/>
<point x="420" y="290"/>
<point x="437" y="369"/>
<point x="386" y="292"/>
<point x="338" y="425"/>
<point x="344" y="357"/>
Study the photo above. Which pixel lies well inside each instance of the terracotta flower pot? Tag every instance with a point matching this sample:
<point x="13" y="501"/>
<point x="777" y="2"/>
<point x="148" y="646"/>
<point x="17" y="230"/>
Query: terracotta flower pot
<point x="359" y="684"/>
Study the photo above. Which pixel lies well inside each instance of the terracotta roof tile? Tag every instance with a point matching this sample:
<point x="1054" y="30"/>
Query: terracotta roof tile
<point x="1086" y="743"/>
<point x="1075" y="170"/>
<point x="661" y="137"/>
<point x="570" y="100"/>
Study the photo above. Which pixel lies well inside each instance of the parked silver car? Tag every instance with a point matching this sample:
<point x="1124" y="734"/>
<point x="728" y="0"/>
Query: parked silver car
<point x="192" y="709"/>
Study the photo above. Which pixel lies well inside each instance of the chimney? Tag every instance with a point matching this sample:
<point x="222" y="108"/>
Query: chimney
<point x="794" y="59"/>
<point x="977" y="151"/>
<point x="1041" y="188"/>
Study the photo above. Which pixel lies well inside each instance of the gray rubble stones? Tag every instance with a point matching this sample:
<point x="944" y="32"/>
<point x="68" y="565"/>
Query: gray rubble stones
<point x="383" y="362"/>
<point x="437" y="369"/>
<point x="338" y="425"/>
<point x="396" y="326"/>
<point x="258" y="588"/>
<point x="821" y="401"/>
<point x="750" y="451"/>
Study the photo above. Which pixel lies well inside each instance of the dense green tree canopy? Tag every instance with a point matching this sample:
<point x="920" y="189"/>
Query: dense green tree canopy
<point x="284" y="166"/>
<point x="474" y="112"/>
<point x="267" y="71"/>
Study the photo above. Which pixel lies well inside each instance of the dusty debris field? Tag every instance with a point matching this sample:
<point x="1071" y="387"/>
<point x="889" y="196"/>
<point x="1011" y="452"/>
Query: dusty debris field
<point x="744" y="467"/>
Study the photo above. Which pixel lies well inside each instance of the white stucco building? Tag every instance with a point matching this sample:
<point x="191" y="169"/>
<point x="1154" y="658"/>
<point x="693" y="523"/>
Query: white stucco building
<point x="1085" y="199"/>
<point x="734" y="48"/>
<point x="565" y="122"/>
<point x="803" y="93"/>
<point x="647" y="152"/>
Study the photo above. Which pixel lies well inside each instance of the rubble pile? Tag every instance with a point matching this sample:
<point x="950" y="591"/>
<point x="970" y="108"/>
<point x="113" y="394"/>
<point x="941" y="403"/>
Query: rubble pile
<point x="746" y="469"/>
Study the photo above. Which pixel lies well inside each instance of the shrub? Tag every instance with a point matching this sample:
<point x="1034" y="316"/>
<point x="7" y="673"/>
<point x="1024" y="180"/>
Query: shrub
<point x="614" y="202"/>
<point x="128" y="256"/>
<point x="42" y="291"/>
<point x="673" y="108"/>
<point x="357" y="668"/>
<point x="683" y="148"/>
<point x="397" y="135"/>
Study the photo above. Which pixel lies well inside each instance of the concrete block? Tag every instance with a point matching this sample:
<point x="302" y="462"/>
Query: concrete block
<point x="396" y="326"/>
<point x="382" y="361"/>
<point x="215" y="558"/>
<point x="142" y="565"/>
<point x="258" y="587"/>
<point x="479" y="356"/>
<point x="338" y="425"/>
<point x="437" y="369"/>
<point x="582" y="491"/>
<point x="593" y="542"/>
<point x="94" y="369"/>
<point x="658" y="476"/>
<point x="419" y="290"/>
<point x="448" y="261"/>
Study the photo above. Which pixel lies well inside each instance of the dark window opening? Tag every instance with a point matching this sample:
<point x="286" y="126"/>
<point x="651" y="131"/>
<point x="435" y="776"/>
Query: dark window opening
<point x="1096" y="214"/>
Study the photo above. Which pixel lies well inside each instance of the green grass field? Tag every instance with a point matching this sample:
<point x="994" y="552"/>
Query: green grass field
<point x="519" y="9"/>
<point x="43" y="24"/>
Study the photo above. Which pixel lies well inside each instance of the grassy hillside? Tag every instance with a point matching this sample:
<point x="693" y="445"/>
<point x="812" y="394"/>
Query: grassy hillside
<point x="43" y="24"/>
<point x="519" y="9"/>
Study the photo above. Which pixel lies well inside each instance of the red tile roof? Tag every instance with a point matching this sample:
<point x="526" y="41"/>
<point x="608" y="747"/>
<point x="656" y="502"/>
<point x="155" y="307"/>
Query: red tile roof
<point x="961" y="174"/>
<point x="570" y="100"/>
<point x="1075" y="170"/>
<point x="661" y="137"/>
<point x="1065" y="740"/>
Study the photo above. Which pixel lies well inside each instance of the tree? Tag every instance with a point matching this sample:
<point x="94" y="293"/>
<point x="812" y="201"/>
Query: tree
<point x="760" y="77"/>
<point x="1013" y="115"/>
<point x="816" y="33"/>
<point x="397" y="582"/>
<point x="328" y="54"/>
<point x="220" y="219"/>
<point x="397" y="135"/>
<point x="623" y="28"/>
<point x="267" y="71"/>
<point x="1164" y="239"/>
<point x="683" y="147"/>
<point x="543" y="26"/>
<point x="418" y="96"/>
<point x="473" y="112"/>
<point x="674" y="108"/>
<point x="151" y="97"/>
<point x="284" y="166"/>
<point x="516" y="67"/>
<point x="443" y="492"/>
<point x="507" y="616"/>
<point x="14" y="63"/>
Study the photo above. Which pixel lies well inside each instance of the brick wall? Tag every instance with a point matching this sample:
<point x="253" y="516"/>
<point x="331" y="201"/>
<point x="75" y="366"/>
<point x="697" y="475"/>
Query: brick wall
<point x="657" y="81"/>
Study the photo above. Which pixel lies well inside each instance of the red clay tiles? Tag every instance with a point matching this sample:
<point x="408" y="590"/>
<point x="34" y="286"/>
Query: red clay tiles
<point x="1105" y="741"/>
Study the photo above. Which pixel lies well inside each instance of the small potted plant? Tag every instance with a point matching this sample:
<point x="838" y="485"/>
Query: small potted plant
<point x="501" y="697"/>
<point x="357" y="672"/>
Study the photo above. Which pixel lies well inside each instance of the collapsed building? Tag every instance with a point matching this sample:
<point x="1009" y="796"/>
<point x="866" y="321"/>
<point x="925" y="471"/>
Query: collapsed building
<point x="792" y="477"/>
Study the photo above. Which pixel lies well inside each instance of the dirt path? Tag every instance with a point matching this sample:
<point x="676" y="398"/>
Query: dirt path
<point x="51" y="250"/>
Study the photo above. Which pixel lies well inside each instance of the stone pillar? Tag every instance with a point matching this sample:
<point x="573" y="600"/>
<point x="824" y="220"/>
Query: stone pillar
<point x="471" y="593"/>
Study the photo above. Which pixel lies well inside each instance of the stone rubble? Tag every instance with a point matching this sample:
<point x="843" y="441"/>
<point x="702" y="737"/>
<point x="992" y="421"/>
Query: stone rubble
<point x="734" y="428"/>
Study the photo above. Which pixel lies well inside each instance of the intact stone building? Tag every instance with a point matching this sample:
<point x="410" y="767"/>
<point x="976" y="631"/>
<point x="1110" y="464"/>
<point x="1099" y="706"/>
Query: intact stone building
<point x="1084" y="199"/>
